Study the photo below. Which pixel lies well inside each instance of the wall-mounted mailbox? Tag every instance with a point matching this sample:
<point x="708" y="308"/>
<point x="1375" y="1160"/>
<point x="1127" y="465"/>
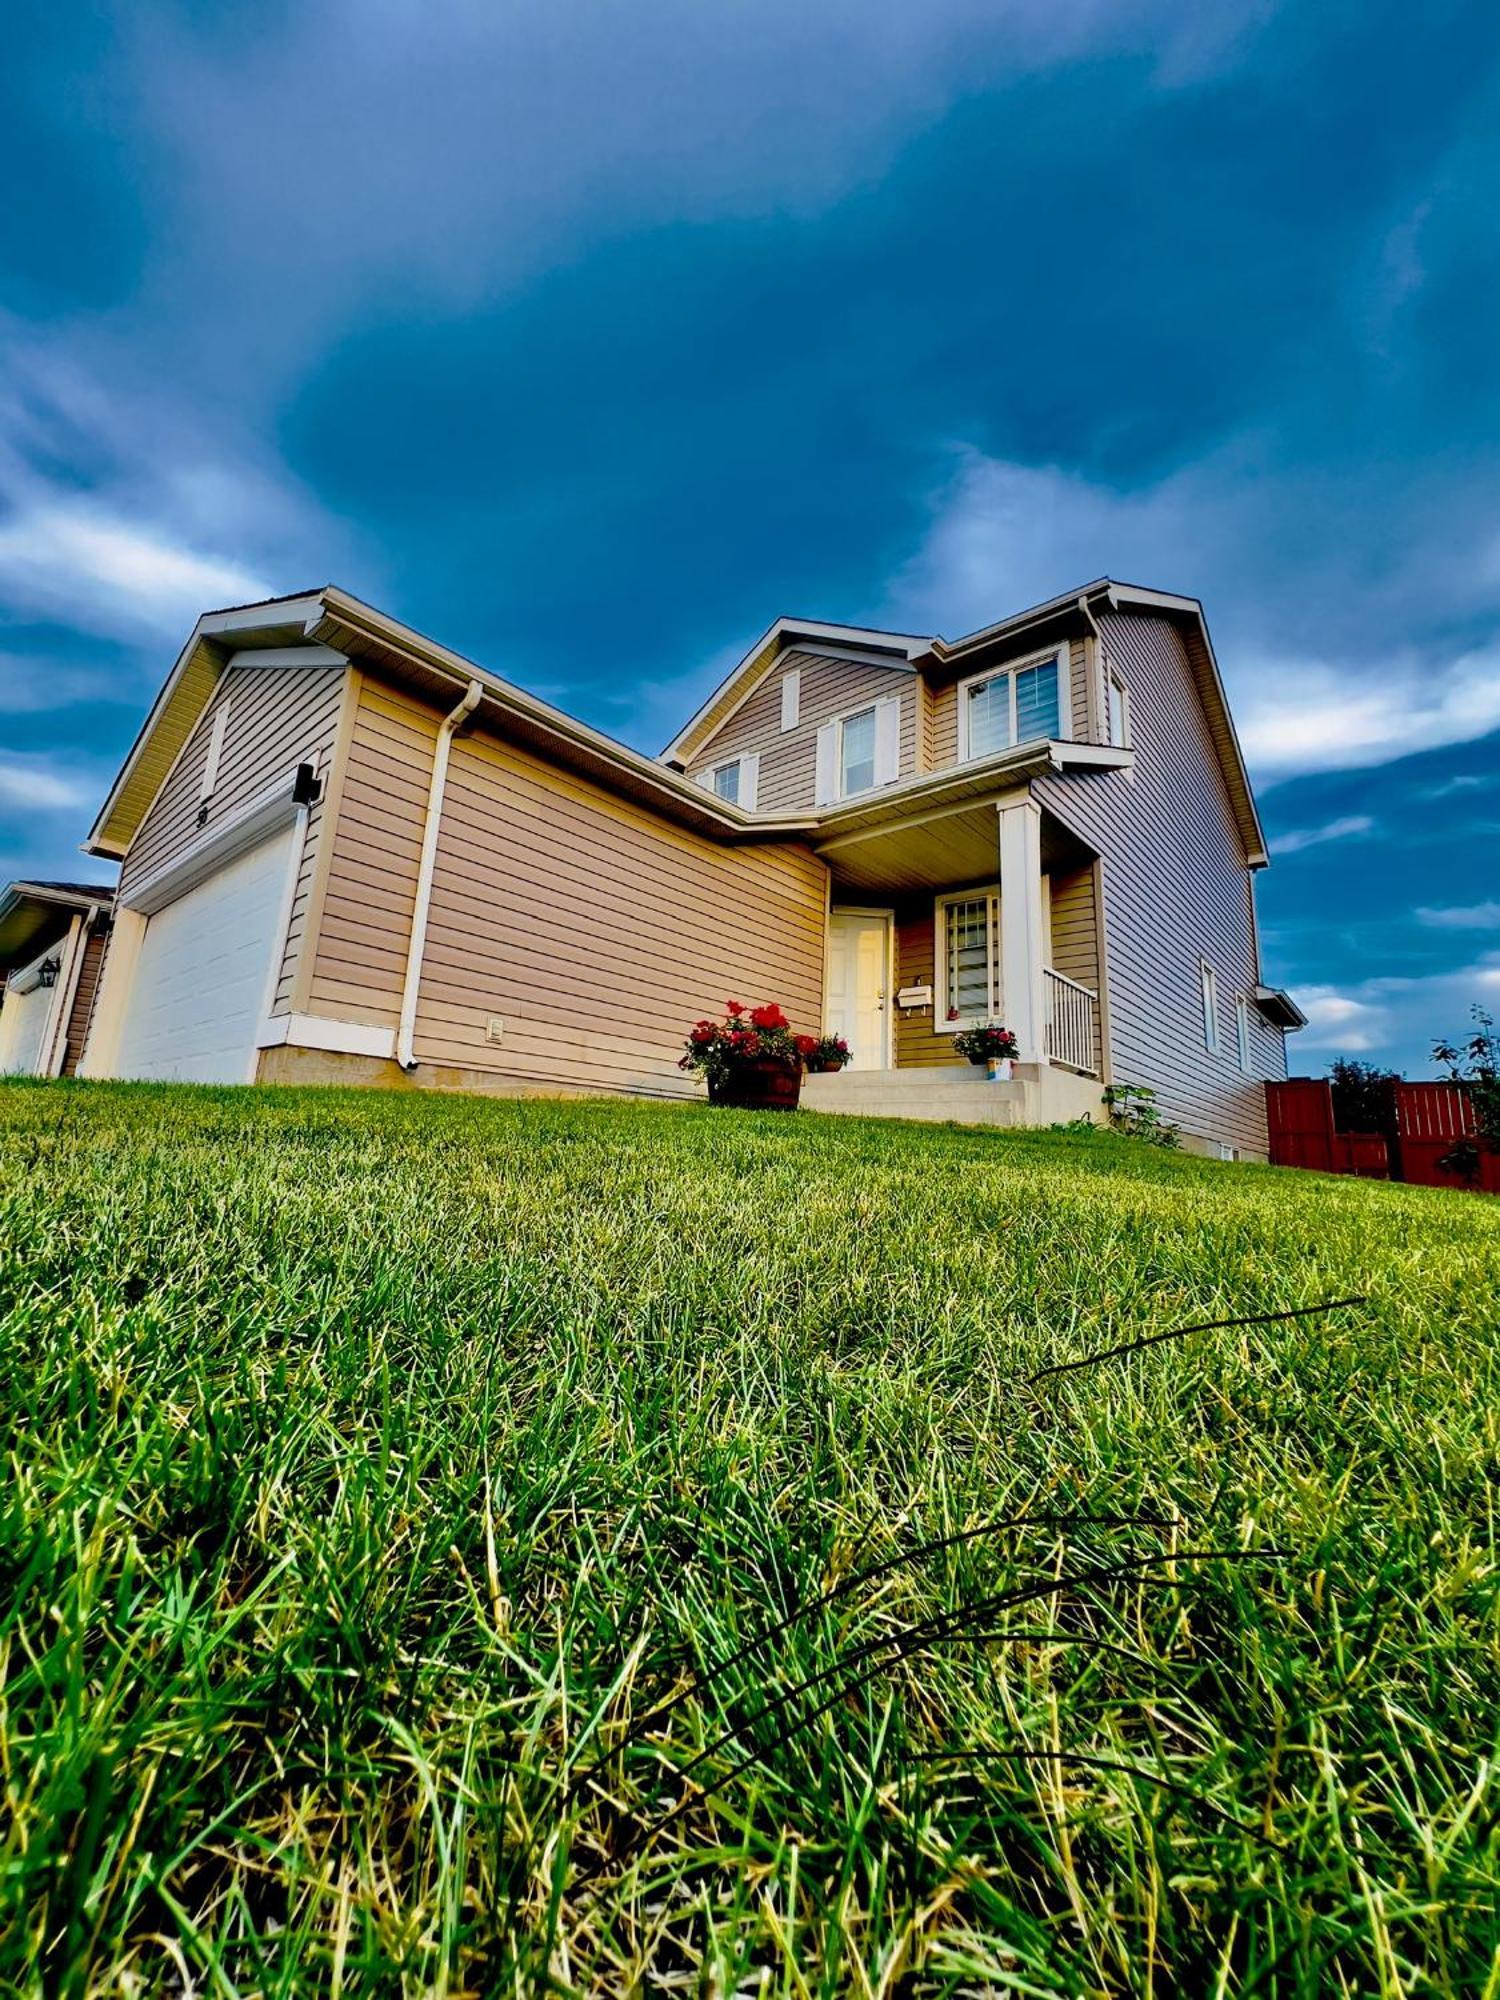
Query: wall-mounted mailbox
<point x="914" y="996"/>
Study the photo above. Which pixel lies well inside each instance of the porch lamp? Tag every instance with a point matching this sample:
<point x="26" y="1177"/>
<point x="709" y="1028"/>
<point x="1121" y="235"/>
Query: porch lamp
<point x="46" y="972"/>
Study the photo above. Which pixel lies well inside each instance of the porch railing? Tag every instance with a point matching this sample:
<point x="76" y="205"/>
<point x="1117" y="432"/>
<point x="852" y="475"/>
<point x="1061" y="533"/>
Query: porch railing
<point x="1072" y="1024"/>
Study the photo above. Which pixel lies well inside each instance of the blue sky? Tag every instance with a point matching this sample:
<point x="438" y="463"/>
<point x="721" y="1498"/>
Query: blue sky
<point x="589" y="338"/>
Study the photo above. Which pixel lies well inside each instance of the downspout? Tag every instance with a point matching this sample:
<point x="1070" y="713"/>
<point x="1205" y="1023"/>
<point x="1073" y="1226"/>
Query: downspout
<point x="417" y="945"/>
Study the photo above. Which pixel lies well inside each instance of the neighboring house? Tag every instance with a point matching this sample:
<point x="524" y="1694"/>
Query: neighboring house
<point x="52" y="937"/>
<point x="348" y="854"/>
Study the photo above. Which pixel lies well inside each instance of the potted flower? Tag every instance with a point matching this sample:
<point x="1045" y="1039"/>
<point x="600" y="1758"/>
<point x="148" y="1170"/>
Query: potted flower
<point x="823" y="1054"/>
<point x="749" y="1059"/>
<point x="992" y="1047"/>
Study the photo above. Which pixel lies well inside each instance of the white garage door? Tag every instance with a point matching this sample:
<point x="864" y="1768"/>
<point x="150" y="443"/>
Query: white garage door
<point x="199" y="990"/>
<point x="23" y="1022"/>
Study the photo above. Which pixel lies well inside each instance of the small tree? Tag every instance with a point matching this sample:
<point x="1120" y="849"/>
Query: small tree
<point x="1362" y="1096"/>
<point x="1475" y="1063"/>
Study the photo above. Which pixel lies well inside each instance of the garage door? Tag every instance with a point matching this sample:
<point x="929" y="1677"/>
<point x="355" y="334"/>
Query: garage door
<point x="199" y="991"/>
<point x="23" y="1022"/>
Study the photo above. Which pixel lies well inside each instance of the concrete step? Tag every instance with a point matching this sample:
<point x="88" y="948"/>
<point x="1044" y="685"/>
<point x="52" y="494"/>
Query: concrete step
<point x="960" y="1094"/>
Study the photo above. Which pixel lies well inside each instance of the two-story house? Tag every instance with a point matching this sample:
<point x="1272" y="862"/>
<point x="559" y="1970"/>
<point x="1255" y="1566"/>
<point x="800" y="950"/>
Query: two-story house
<point x="348" y="854"/>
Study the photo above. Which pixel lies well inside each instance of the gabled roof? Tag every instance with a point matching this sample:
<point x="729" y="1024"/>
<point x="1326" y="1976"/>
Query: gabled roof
<point x="936" y="653"/>
<point x="781" y="636"/>
<point x="183" y="697"/>
<point x="334" y="620"/>
<point x="28" y="909"/>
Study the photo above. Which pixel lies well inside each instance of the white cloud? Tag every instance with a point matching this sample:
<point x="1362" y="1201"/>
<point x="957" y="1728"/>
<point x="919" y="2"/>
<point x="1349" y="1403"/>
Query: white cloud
<point x="1462" y="917"/>
<point x="1338" y="1020"/>
<point x="1389" y="1015"/>
<point x="80" y="563"/>
<point x="1003" y="535"/>
<point x="1301" y="715"/>
<point x="35" y="784"/>
<point x="1314" y="836"/>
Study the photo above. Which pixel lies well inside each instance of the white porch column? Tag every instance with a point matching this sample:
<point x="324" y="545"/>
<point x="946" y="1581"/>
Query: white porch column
<point x="1023" y="930"/>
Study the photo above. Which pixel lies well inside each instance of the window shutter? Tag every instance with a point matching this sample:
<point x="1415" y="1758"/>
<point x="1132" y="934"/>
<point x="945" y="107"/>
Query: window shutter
<point x="749" y="779"/>
<point x="705" y="777"/>
<point x="888" y="741"/>
<point x="826" y="787"/>
<point x="791" y="698"/>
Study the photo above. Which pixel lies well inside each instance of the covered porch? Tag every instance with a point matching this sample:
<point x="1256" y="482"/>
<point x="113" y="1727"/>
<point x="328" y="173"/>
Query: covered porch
<point x="981" y="910"/>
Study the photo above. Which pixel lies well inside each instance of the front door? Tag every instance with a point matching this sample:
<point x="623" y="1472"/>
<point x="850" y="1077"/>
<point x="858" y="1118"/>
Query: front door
<point x="859" y="952"/>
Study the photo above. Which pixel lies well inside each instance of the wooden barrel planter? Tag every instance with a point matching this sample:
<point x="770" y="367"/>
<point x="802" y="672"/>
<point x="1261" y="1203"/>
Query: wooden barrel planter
<point x="763" y="1084"/>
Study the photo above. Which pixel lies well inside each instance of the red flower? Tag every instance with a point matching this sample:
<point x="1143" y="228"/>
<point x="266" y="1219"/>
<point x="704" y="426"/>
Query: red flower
<point x="734" y="1008"/>
<point x="703" y="1033"/>
<point x="806" y="1044"/>
<point x="770" y="1017"/>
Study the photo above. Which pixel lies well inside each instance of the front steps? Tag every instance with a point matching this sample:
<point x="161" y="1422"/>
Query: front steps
<point x="956" y="1093"/>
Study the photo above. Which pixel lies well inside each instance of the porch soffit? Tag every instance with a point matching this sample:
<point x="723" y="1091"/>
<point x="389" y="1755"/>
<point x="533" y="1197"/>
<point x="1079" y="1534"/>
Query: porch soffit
<point x="948" y="848"/>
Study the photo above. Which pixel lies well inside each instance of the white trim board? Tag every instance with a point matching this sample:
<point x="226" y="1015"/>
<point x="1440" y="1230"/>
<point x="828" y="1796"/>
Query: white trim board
<point x="264" y="815"/>
<point x="319" y="1031"/>
<point x="287" y="656"/>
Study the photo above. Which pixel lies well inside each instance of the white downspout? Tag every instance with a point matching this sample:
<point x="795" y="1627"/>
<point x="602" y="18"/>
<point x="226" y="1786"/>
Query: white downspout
<point x="473" y="694"/>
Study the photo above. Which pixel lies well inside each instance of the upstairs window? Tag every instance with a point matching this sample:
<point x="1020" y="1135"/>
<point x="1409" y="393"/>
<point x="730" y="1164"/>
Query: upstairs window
<point x="1242" y="1032"/>
<point x="1017" y="706"/>
<point x="1209" y="987"/>
<point x="857" y="752"/>
<point x="737" y="781"/>
<point x="1119" y="712"/>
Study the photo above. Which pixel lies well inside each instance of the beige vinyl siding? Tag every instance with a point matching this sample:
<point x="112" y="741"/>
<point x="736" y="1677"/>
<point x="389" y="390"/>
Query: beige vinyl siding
<point x="596" y="932"/>
<point x="1075" y="943"/>
<point x="1174" y="892"/>
<point x="278" y="717"/>
<point x="83" y="999"/>
<point x="172" y="729"/>
<point x="918" y="1042"/>
<point x="942" y="729"/>
<point x="1078" y="691"/>
<point x="787" y="757"/>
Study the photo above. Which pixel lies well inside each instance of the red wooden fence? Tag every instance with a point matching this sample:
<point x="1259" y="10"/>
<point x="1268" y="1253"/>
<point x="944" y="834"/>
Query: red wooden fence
<point x="1430" y="1120"/>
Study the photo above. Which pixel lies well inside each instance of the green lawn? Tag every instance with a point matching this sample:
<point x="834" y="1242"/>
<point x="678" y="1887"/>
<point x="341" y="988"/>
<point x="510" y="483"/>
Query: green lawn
<point x="397" y="1488"/>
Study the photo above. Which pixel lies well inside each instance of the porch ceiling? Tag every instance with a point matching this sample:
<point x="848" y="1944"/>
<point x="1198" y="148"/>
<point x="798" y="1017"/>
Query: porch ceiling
<point x="946" y="849"/>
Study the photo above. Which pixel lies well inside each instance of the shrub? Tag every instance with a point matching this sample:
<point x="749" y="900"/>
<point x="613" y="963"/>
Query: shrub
<point x="1132" y="1112"/>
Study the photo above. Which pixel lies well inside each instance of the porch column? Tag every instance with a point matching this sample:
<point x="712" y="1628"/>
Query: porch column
<point x="1023" y="931"/>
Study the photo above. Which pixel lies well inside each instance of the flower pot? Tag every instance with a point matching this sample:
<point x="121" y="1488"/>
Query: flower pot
<point x="997" y="1069"/>
<point x="764" y="1083"/>
<point x="823" y="1066"/>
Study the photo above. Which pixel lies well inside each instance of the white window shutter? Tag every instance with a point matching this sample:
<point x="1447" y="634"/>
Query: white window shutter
<point x="888" y="741"/>
<point x="826" y="788"/>
<point x="705" y="777"/>
<point x="791" y="698"/>
<point x="749" y="779"/>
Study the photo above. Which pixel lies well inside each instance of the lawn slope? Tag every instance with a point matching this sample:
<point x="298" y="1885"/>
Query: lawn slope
<point x="417" y="1511"/>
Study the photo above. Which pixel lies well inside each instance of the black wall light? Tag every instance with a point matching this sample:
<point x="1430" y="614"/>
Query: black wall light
<point x="46" y="972"/>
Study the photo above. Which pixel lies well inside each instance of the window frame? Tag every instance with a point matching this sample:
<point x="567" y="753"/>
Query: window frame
<point x="734" y="764"/>
<point x="842" y="722"/>
<point x="1208" y="994"/>
<point x="1061" y="654"/>
<point x="941" y="1025"/>
<point x="1113" y="679"/>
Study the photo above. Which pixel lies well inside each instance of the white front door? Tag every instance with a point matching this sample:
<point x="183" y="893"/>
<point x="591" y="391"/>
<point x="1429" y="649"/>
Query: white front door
<point x="859" y="952"/>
